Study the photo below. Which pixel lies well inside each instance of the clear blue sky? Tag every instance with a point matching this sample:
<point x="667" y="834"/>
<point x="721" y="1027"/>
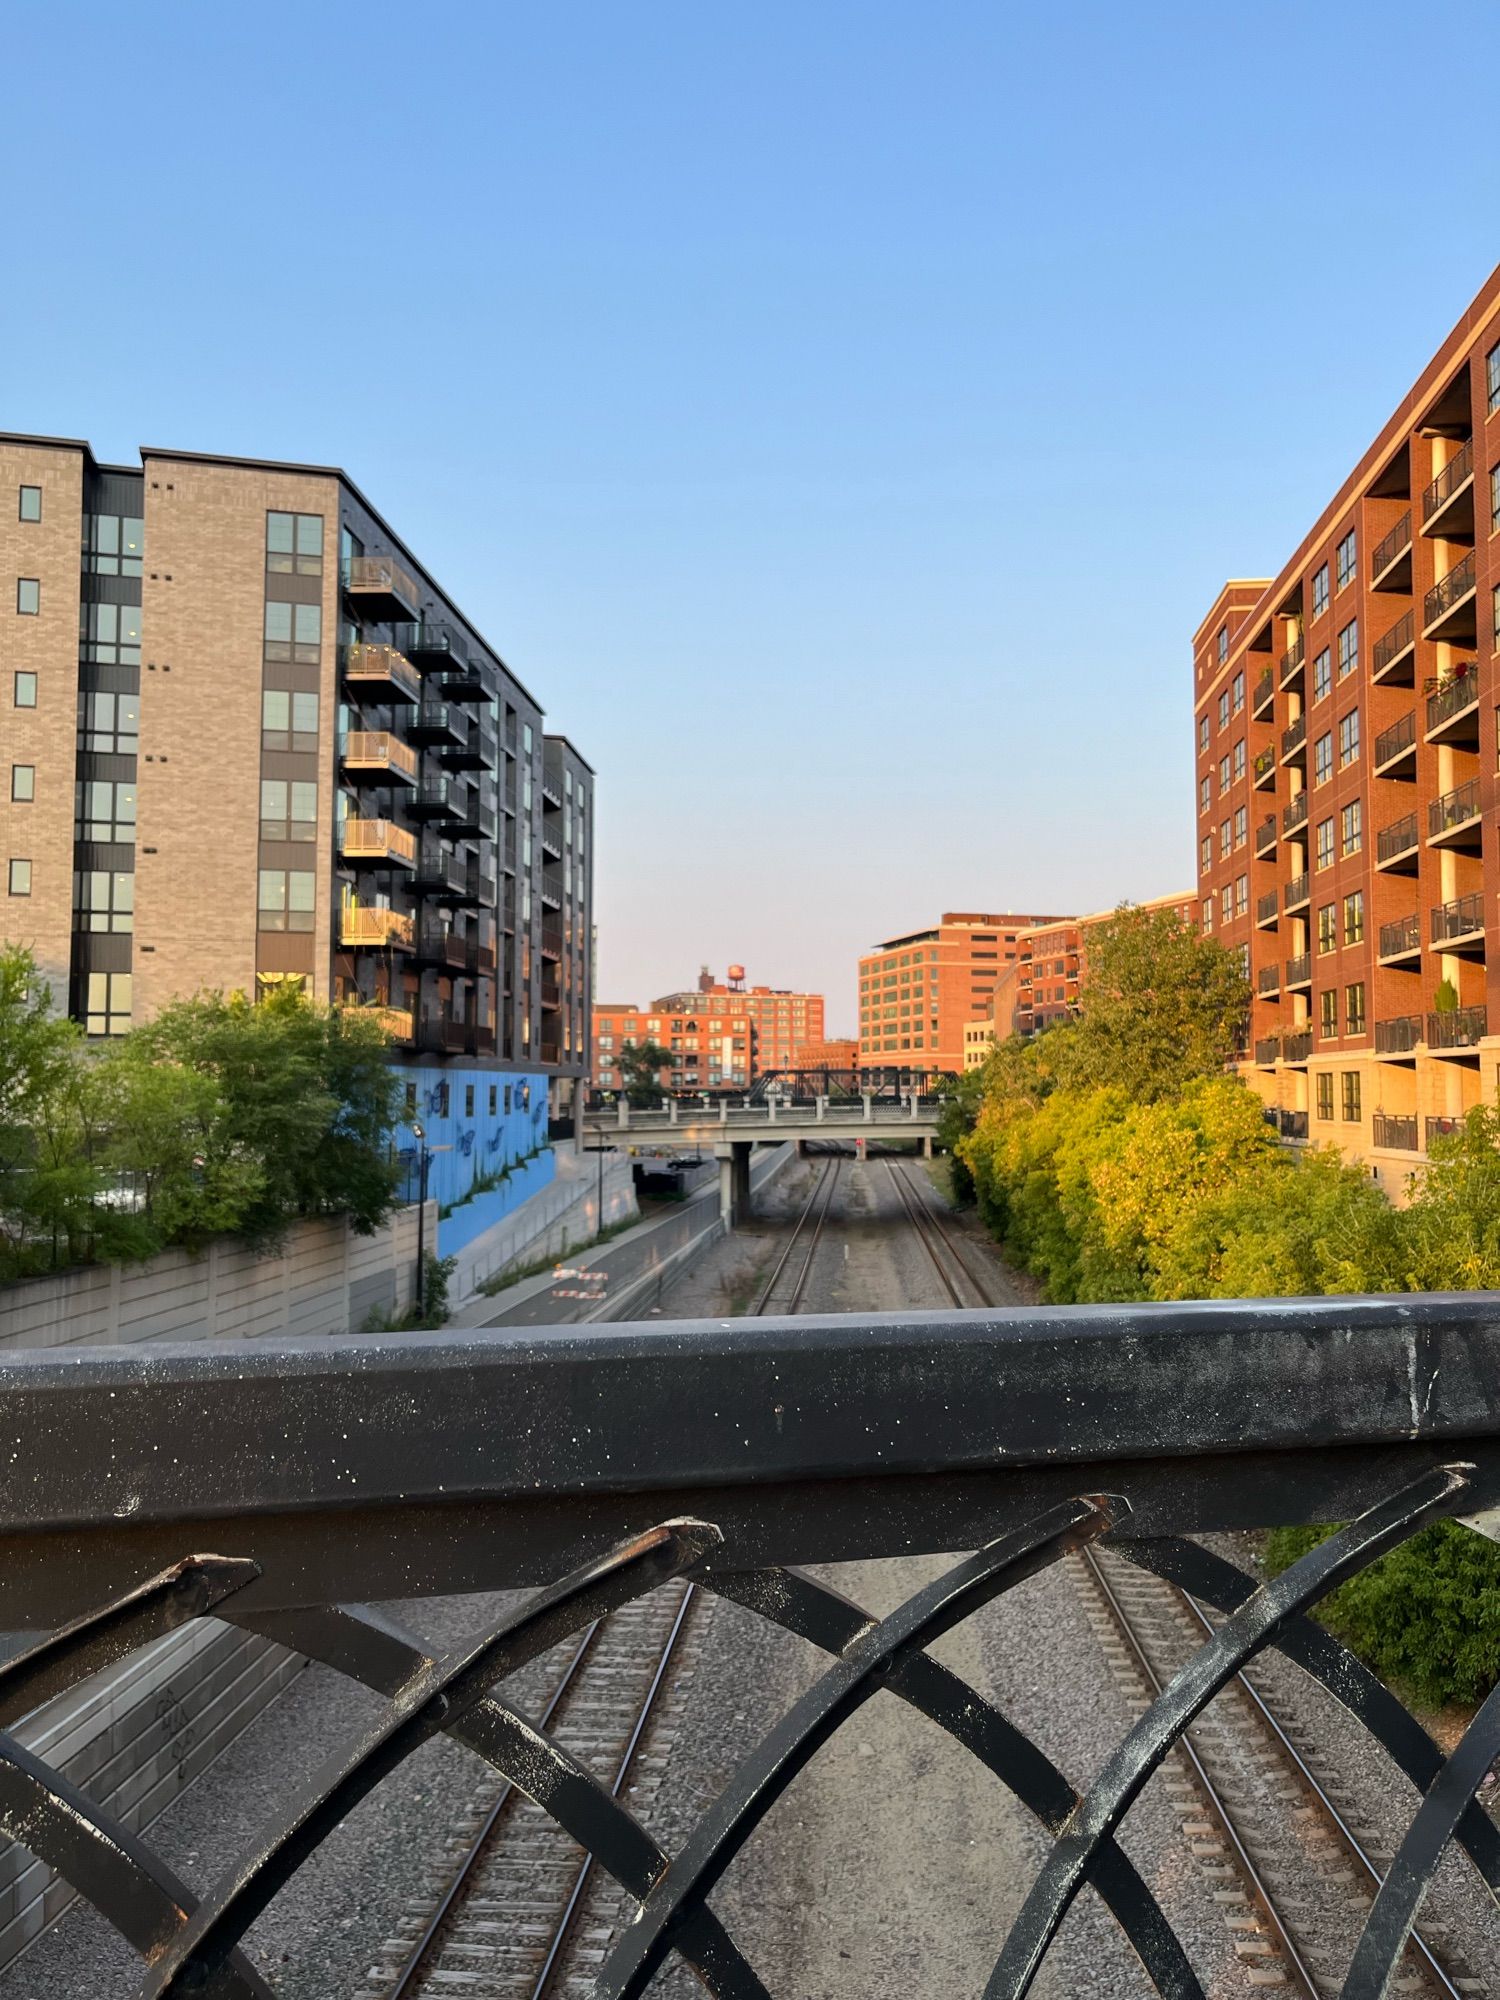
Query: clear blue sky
<point x="840" y="416"/>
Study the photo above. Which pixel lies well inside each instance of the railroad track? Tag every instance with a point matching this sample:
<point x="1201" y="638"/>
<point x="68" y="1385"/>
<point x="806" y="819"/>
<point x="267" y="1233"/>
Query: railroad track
<point x="789" y="1276"/>
<point x="955" y="1273"/>
<point x="1255" y="1805"/>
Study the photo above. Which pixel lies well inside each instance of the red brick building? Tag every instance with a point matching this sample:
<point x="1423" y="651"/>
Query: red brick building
<point x="783" y="1020"/>
<point x="712" y="1050"/>
<point x="918" y="991"/>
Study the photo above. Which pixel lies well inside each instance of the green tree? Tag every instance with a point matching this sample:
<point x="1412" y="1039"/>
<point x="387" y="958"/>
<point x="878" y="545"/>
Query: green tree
<point x="46" y="1188"/>
<point x="1158" y="1007"/>
<point x="640" y="1067"/>
<point x="1449" y="1234"/>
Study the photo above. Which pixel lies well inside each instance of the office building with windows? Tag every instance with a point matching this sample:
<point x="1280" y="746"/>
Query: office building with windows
<point x="1345" y="736"/>
<point x="250" y="740"/>
<point x="918" y="992"/>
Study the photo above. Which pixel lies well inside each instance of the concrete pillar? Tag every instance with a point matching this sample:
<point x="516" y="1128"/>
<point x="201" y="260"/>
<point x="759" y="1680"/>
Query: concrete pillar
<point x="926" y="1145"/>
<point x="869" y="1107"/>
<point x="740" y="1180"/>
<point x="723" y="1110"/>
<point x="622" y="1113"/>
<point x="822" y="1111"/>
<point x="911" y="1104"/>
<point x="671" y="1110"/>
<point x="771" y="1102"/>
<point x="726" y="1189"/>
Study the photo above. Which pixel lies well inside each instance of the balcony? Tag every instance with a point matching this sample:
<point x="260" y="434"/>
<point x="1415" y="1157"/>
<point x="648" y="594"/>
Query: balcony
<point x="433" y="643"/>
<point x="1401" y="942"/>
<point x="1289" y="674"/>
<point x="1267" y="1049"/>
<point x="1292" y="1124"/>
<point x="435" y="798"/>
<point x="464" y="680"/>
<point x="1448" y="503"/>
<point x="1459" y="1029"/>
<point x="551" y="1053"/>
<point x="440" y="946"/>
<point x="552" y="941"/>
<point x="397" y="1021"/>
<point x="439" y="874"/>
<point x="1399" y="1036"/>
<point x="378" y="754"/>
<point x="1448" y="608"/>
<point x="551" y="790"/>
<point x="1396" y="846"/>
<point x="374" y="929"/>
<point x="380" y="589"/>
<point x="1268" y="982"/>
<point x="1395" y="1135"/>
<point x="1459" y="925"/>
<point x="1454" y="819"/>
<point x="378" y="843"/>
<point x="442" y="1035"/>
<point x="1390" y="564"/>
<point x="1393" y="661"/>
<point x="1396" y="749"/>
<point x="1265" y="838"/>
<point x="552" y="887"/>
<point x="1294" y="741"/>
<point x="1453" y="708"/>
<point x="1299" y="972"/>
<point x="1265" y="911"/>
<point x="474" y="752"/>
<point x="474" y="817"/>
<point x="380" y="674"/>
<point x="1294" y="817"/>
<point x="437" y="724"/>
<point x="1297" y="1048"/>
<point x="481" y="957"/>
<point x="1263" y="701"/>
<point x="1264" y="769"/>
<point x="478" y="886"/>
<point x="551" y="842"/>
<point x="550" y="992"/>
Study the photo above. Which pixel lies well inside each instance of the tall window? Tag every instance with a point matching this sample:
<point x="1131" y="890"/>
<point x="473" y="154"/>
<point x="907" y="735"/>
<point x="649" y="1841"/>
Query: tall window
<point x="1206" y="854"/>
<point x="294" y="632"/>
<point x="1323" y="759"/>
<point x="111" y="634"/>
<point x="1241" y="825"/>
<point x="1320" y="591"/>
<point x="1495" y="499"/>
<point x="1325" y="842"/>
<point x="1224" y="709"/>
<point x="1223" y="776"/>
<point x="1325" y="1093"/>
<point x="1348" y="738"/>
<point x="1492" y="380"/>
<point x="1354" y="917"/>
<point x="288" y="721"/>
<point x="104" y="900"/>
<point x="1223" y="642"/>
<point x="1346" y="559"/>
<point x="1354" y="1008"/>
<point x="20" y="878"/>
<point x="288" y="811"/>
<point x="107" y="1003"/>
<point x="23" y="783"/>
<point x="1225" y="836"/>
<point x="1239" y="759"/>
<point x="31" y="503"/>
<point x="1241" y="895"/>
<point x="1328" y="1012"/>
<point x="1203" y="732"/>
<point x="25" y="691"/>
<point x="1349" y="1096"/>
<point x="286" y="899"/>
<point x="1352" y="826"/>
<point x="1322" y="675"/>
<point x="1328" y="936"/>
<point x="109" y="722"/>
<point x="1349" y="648"/>
<point x="1236" y="695"/>
<point x="28" y="596"/>
<point x="113" y="544"/>
<point x="294" y="544"/>
<point x="105" y="810"/>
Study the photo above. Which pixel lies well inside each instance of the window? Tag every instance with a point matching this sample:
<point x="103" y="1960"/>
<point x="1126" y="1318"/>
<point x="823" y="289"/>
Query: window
<point x="23" y="782"/>
<point x="1224" y="709"/>
<point x="1325" y="1093"/>
<point x="1328" y="935"/>
<point x="113" y="544"/>
<point x="410" y="1095"/>
<point x="1349" y="1096"/>
<point x="1495" y="619"/>
<point x="1349" y="648"/>
<point x="107" y="1009"/>
<point x="1323" y="759"/>
<point x="1494" y="499"/>
<point x="1492" y="380"/>
<point x="31" y="503"/>
<point x="288" y="721"/>
<point x="1325" y="842"/>
<point x="20" y="878"/>
<point x="1241" y="895"/>
<point x="25" y="690"/>
<point x="1223" y="776"/>
<point x="1354" y="917"/>
<point x="1225" y="835"/>
<point x="1322" y="675"/>
<point x="104" y="810"/>
<point x="1328" y="1012"/>
<point x="1223" y="642"/>
<point x="1241" y="825"/>
<point x="1348" y="738"/>
<point x="110" y="634"/>
<point x="104" y="900"/>
<point x="494" y="1093"/>
<point x="1354" y="1008"/>
<point x="294" y="632"/>
<point x="1203" y="732"/>
<point x="1205" y="785"/>
<point x="1206" y="854"/>
<point x="286" y="899"/>
<point x="468" y="1087"/>
<point x="1239" y="760"/>
<point x="1226" y="903"/>
<point x="1352" y="826"/>
<point x="109" y="722"/>
<point x="288" y="811"/>
<point x="507" y="1100"/>
<point x="28" y="596"/>
<point x="1237" y="692"/>
<point x="1346" y="559"/>
<point x="294" y="544"/>
<point x="1320" y="592"/>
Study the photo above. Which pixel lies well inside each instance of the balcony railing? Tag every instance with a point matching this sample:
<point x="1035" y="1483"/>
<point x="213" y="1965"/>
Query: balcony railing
<point x="1395" y="645"/>
<point x="1395" y="1134"/>
<point x="433" y="641"/>
<point x="1268" y="981"/>
<point x="1453" y="809"/>
<point x="1297" y="1048"/>
<point x="1401" y="837"/>
<point x="1267" y="1048"/>
<point x="1298" y="893"/>
<point x="437" y="944"/>
<point x="1263" y="767"/>
<point x="594" y="1467"/>
<point x="1265" y="908"/>
<point x="1293" y="737"/>
<point x="379" y="840"/>
<point x="1459" y="1028"/>
<point x="397" y="1021"/>
<point x="438" y="873"/>
<point x="1461" y="918"/>
<point x="1265" y="836"/>
<point x="1398" y="1037"/>
<point x="1443" y="1128"/>
<point x="381" y="752"/>
<point x="1389" y="547"/>
<point x="375" y="928"/>
<point x="1291" y="661"/>
<point x="1299" y="970"/>
<point x="1292" y="1124"/>
<point x="552" y="941"/>
<point x="1264" y="697"/>
<point x="552" y="886"/>
<point x="1399" y="740"/>
<point x="1455" y="474"/>
<point x="1295" y="814"/>
<point x="383" y="588"/>
<point x="1401" y="937"/>
<point x="381" y="673"/>
<point x="1445" y="596"/>
<point x="1460" y="694"/>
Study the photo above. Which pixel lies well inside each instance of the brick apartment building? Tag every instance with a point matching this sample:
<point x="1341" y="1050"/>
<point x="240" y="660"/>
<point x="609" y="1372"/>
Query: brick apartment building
<point x="251" y="740"/>
<point x="713" y="1050"/>
<point x="782" y="1019"/>
<point x="1052" y="963"/>
<point x="918" y="991"/>
<point x="1345" y="739"/>
<point x="834" y="1052"/>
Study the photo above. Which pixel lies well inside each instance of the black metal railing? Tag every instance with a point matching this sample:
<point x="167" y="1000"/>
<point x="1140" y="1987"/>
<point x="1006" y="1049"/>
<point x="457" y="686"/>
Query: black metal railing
<point x="1298" y="891"/>
<point x="1390" y="546"/>
<point x="1458" y="1028"/>
<point x="590" y="1473"/>
<point x="1268" y="980"/>
<point x="1264" y="765"/>
<point x="1401" y="636"/>
<point x="1265" y="836"/>
<point x="1455" y="808"/>
<point x="1457" y="694"/>
<point x="1456" y="919"/>
<point x="1299" y="969"/>
<point x="1399" y="1036"/>
<point x="1267" y="1048"/>
<point x="1443" y="1128"/>
<point x="1295" y="814"/>
<point x="1459" y="468"/>
<point x="1450" y="590"/>
<point x="1404" y="935"/>
<point x="1294" y="736"/>
<point x="1265" y="908"/>
<point x="1292" y="1124"/>
<point x="1397" y="839"/>
<point x="1291" y="659"/>
<point x="1393" y="742"/>
<point x="1265" y="691"/>
<point x="1297" y="1048"/>
<point x="1397" y="1133"/>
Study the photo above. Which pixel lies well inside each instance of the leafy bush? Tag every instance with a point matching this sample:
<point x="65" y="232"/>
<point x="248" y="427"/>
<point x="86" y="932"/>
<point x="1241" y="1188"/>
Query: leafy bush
<point x="1426" y="1616"/>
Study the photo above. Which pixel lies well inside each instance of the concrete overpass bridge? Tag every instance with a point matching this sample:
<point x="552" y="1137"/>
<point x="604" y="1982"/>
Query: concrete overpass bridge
<point x="730" y="1129"/>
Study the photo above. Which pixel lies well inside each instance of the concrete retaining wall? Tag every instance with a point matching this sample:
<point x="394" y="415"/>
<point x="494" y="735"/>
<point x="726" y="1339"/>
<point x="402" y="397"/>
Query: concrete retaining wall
<point x="564" y="1212"/>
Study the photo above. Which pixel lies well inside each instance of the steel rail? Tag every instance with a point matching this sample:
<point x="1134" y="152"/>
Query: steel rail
<point x="932" y="1230"/>
<point x="823" y="1187"/>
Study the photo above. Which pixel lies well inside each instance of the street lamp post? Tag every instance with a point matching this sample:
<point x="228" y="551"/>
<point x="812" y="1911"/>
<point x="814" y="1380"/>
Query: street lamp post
<point x="423" y="1159"/>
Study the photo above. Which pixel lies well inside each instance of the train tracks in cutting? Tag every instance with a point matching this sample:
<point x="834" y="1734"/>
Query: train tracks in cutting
<point x="789" y="1274"/>
<point x="964" y="1286"/>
